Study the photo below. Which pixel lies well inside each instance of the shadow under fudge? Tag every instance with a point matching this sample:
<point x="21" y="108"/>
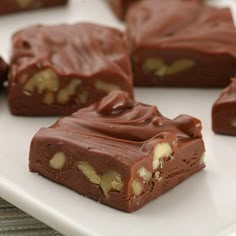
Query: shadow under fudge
<point x="11" y="6"/>
<point x="224" y="111"/>
<point x="55" y="70"/>
<point x="119" y="152"/>
<point x="181" y="44"/>
<point x="3" y="71"/>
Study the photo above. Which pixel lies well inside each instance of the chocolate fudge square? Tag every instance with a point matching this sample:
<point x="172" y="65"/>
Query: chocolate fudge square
<point x="55" y="70"/>
<point x="224" y="111"/>
<point x="3" y="71"/>
<point x="119" y="152"/>
<point x="11" y="6"/>
<point x="181" y="44"/>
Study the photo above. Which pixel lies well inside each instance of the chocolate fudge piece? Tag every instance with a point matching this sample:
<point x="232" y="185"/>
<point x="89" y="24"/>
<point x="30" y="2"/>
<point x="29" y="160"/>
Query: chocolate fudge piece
<point x="181" y="44"/>
<point x="10" y="6"/>
<point x="119" y="152"/>
<point x="3" y="71"/>
<point x="55" y="70"/>
<point x="224" y="111"/>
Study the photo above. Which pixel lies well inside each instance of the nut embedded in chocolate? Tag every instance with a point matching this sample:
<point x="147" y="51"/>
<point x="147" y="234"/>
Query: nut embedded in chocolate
<point x="55" y="70"/>
<point x="116" y="152"/>
<point x="180" y="43"/>
<point x="224" y="111"/>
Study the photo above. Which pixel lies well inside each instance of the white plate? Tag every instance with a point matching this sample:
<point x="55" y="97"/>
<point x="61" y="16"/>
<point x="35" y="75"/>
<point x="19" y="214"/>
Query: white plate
<point x="203" y="205"/>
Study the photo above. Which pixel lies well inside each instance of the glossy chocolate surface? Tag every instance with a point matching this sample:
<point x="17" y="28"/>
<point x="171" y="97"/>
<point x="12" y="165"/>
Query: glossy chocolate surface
<point x="119" y="134"/>
<point x="83" y="53"/>
<point x="180" y="30"/>
<point x="117" y="116"/>
<point x="224" y="111"/>
<point x="10" y="6"/>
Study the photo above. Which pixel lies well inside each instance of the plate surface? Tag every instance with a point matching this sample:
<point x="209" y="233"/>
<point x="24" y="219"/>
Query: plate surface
<point x="202" y="205"/>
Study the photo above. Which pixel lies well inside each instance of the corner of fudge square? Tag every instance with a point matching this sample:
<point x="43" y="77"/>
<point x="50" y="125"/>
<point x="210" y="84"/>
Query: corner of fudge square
<point x="119" y="152"/>
<point x="224" y="111"/>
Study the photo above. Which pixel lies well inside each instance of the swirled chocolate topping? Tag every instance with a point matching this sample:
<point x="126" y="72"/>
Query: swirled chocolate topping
<point x="77" y="49"/>
<point x="117" y="116"/>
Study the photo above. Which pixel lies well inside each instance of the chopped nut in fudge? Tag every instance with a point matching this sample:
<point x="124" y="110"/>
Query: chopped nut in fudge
<point x="55" y="70"/>
<point x="119" y="152"/>
<point x="180" y="43"/>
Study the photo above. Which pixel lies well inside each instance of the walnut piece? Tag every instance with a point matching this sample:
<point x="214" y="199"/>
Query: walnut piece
<point x="161" y="150"/>
<point x="106" y="87"/>
<point x="202" y="159"/>
<point x="58" y="161"/>
<point x="158" y="176"/>
<point x="45" y="80"/>
<point x="159" y="68"/>
<point x="108" y="181"/>
<point x="145" y="174"/>
<point x="111" y="181"/>
<point x="64" y="94"/>
<point x="137" y="187"/>
<point x="89" y="172"/>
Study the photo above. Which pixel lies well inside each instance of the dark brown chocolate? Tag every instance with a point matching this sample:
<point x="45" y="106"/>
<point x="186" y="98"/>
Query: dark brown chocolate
<point x="119" y="152"/>
<point x="3" y="71"/>
<point x="181" y="44"/>
<point x="55" y="70"/>
<point x="224" y="111"/>
<point x="10" y="6"/>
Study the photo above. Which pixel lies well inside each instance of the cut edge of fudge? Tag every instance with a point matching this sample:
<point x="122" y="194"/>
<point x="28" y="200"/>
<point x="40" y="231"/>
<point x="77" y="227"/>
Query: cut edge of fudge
<point x="119" y="152"/>
<point x="55" y="70"/>
<point x="224" y="111"/>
